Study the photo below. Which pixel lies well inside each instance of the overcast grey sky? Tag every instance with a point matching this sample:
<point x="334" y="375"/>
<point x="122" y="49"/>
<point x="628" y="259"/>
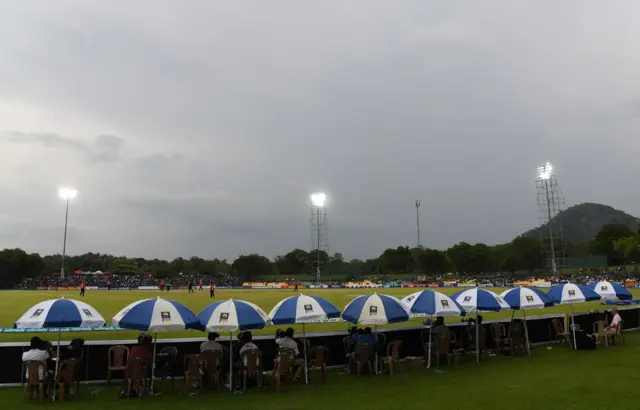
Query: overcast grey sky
<point x="200" y="127"/>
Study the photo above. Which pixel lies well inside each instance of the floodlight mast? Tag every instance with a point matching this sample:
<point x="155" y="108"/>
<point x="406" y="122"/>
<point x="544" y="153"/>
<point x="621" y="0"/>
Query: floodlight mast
<point x="66" y="194"/>
<point x="544" y="174"/>
<point x="318" y="201"/>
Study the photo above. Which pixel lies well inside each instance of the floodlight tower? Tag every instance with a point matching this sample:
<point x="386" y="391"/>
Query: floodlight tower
<point x="550" y="204"/>
<point x="319" y="228"/>
<point x="67" y="194"/>
<point x="418" y="220"/>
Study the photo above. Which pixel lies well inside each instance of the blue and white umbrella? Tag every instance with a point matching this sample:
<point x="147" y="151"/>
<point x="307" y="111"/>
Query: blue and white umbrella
<point x="525" y="298"/>
<point x="568" y="294"/>
<point x="480" y="300"/>
<point x="375" y="310"/>
<point x="431" y="303"/>
<point x="229" y="316"/>
<point x="59" y="313"/>
<point x="610" y="290"/>
<point x="156" y="315"/>
<point x="303" y="309"/>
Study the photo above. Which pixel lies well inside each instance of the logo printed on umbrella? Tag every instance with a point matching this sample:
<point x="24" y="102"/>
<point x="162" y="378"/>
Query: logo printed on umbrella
<point x="308" y="308"/>
<point x="445" y="303"/>
<point x="87" y="312"/>
<point x="38" y="312"/>
<point x="166" y="316"/>
<point x="529" y="298"/>
<point x="572" y="292"/>
<point x="604" y="288"/>
<point x="467" y="298"/>
<point x="373" y="310"/>
<point x="224" y="317"/>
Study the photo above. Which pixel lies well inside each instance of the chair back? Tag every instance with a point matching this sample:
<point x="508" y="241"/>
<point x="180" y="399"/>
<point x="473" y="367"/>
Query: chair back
<point x="364" y="352"/>
<point x="557" y="326"/>
<point x="33" y="372"/>
<point x="286" y="357"/>
<point x="393" y="349"/>
<point x="599" y="328"/>
<point x="318" y="354"/>
<point x="192" y="365"/>
<point x="619" y="328"/>
<point x="516" y="333"/>
<point x="172" y="351"/>
<point x="497" y="330"/>
<point x="211" y="359"/>
<point x="482" y="341"/>
<point x="67" y="371"/>
<point x="118" y="356"/>
<point x="135" y="370"/>
<point x="348" y="344"/>
<point x="251" y="361"/>
<point x="444" y="343"/>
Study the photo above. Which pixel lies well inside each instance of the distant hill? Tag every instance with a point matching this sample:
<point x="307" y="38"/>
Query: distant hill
<point x="584" y="221"/>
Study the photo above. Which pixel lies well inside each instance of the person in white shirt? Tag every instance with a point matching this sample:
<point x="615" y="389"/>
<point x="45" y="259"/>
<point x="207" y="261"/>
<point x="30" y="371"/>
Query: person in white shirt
<point x="288" y="342"/>
<point x="247" y="344"/>
<point x="36" y="353"/>
<point x="211" y="344"/>
<point x="612" y="329"/>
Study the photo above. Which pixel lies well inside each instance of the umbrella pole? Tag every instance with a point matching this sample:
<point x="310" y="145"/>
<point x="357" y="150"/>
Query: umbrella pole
<point x="306" y="369"/>
<point x="573" y="329"/>
<point x="153" y="363"/>
<point x="230" y="361"/>
<point x="430" y="330"/>
<point x="376" y="349"/>
<point x="55" y="376"/>
<point x="477" y="339"/>
<point x="526" y="332"/>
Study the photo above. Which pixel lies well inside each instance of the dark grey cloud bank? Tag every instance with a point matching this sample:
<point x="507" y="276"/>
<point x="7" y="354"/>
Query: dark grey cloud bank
<point x="200" y="128"/>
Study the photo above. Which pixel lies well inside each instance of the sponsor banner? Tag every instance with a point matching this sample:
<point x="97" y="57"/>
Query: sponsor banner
<point x="448" y="285"/>
<point x="466" y="285"/>
<point x="148" y="288"/>
<point x="541" y="284"/>
<point x="42" y="288"/>
<point x="629" y="283"/>
<point x="52" y="288"/>
<point x="421" y="278"/>
<point x="88" y="288"/>
<point x="62" y="329"/>
<point x="432" y="285"/>
<point x="523" y="283"/>
<point x="486" y="285"/>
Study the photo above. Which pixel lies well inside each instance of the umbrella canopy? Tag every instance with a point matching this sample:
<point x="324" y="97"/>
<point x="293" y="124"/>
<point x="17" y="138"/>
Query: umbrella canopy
<point x="375" y="310"/>
<point x="524" y="297"/>
<point x="610" y="290"/>
<point x="432" y="303"/>
<point x="231" y="315"/>
<point x="569" y="293"/>
<point x="480" y="300"/>
<point x="303" y="309"/>
<point x="156" y="315"/>
<point x="60" y="313"/>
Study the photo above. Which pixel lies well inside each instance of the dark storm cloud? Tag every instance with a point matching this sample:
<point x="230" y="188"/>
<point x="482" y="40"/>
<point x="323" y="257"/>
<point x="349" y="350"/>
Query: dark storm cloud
<point x="233" y="112"/>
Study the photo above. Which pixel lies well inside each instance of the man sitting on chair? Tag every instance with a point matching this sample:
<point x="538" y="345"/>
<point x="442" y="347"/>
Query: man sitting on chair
<point x="612" y="329"/>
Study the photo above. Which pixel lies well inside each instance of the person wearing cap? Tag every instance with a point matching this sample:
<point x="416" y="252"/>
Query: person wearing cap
<point x="211" y="344"/>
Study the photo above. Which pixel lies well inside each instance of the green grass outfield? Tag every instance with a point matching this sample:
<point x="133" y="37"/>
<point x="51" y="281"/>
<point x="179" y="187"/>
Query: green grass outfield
<point x="550" y="379"/>
<point x="14" y="303"/>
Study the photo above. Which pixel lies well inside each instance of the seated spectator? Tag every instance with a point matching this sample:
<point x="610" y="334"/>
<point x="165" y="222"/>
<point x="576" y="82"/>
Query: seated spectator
<point x="288" y="342"/>
<point x="211" y="344"/>
<point x="74" y="351"/>
<point x="364" y="337"/>
<point x="438" y="330"/>
<point x="615" y="322"/>
<point x="37" y="353"/>
<point x="143" y="349"/>
<point x="247" y="344"/>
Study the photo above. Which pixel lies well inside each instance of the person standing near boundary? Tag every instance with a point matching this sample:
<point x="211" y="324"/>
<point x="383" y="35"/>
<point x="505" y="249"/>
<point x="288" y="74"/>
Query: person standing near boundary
<point x="108" y="284"/>
<point x="201" y="282"/>
<point x="295" y="283"/>
<point x="83" y="286"/>
<point x="212" y="290"/>
<point x="161" y="285"/>
<point x="190" y="286"/>
<point x="168" y="285"/>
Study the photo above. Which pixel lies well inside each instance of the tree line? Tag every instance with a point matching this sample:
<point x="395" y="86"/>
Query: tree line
<point x="617" y="242"/>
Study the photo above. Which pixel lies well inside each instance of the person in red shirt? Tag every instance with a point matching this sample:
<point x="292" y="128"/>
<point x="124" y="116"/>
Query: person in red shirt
<point x="295" y="283"/>
<point x="212" y="290"/>
<point x="143" y="349"/>
<point x="108" y="284"/>
<point x="83" y="285"/>
<point x="161" y="285"/>
<point x="201" y="282"/>
<point x="190" y="286"/>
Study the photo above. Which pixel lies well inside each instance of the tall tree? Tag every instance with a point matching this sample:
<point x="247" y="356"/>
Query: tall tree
<point x="248" y="267"/>
<point x="603" y="243"/>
